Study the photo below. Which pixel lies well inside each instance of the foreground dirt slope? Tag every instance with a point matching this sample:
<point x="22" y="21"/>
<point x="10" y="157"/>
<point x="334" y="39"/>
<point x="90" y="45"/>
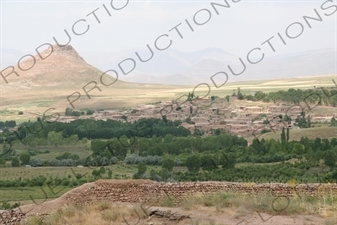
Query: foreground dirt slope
<point x="141" y="191"/>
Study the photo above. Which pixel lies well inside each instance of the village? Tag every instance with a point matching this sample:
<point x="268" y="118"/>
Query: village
<point x="237" y="117"/>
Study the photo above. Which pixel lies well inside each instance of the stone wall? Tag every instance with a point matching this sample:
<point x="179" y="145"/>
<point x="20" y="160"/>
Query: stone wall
<point x="133" y="191"/>
<point x="140" y="191"/>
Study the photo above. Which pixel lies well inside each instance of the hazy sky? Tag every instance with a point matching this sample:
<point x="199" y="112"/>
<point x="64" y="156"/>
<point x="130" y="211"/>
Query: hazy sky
<point x="245" y="25"/>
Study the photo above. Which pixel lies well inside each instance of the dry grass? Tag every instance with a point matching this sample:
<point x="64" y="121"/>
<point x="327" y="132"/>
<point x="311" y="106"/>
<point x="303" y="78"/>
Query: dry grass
<point x="324" y="205"/>
<point x="218" y="205"/>
<point x="103" y="213"/>
<point x="323" y="132"/>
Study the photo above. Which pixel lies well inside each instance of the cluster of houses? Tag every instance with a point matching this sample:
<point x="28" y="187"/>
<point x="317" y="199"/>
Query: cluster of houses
<point x="209" y="115"/>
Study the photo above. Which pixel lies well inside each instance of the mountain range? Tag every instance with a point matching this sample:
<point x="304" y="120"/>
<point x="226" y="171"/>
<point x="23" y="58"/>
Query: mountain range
<point x="175" y="67"/>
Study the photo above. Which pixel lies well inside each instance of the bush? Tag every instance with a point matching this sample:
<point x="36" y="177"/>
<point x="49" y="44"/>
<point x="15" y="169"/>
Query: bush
<point x="67" y="162"/>
<point x="177" y="162"/>
<point x="65" y="182"/>
<point x="36" y="162"/>
<point x="149" y="160"/>
<point x="31" y="152"/>
<point x="113" y="160"/>
<point x="90" y="112"/>
<point x="38" y="181"/>
<point x="263" y="131"/>
<point x="15" y="162"/>
<point x="54" y="162"/>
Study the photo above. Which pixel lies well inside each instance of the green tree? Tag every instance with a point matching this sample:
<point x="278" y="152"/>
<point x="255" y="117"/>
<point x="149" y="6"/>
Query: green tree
<point x="240" y="95"/>
<point x="55" y="138"/>
<point x="109" y="174"/>
<point x="102" y="170"/>
<point x="227" y="98"/>
<point x="74" y="138"/>
<point x="330" y="158"/>
<point x="168" y="138"/>
<point x="168" y="164"/>
<point x="259" y="95"/>
<point x="96" y="173"/>
<point x="283" y="135"/>
<point x="164" y="174"/>
<point x="15" y="162"/>
<point x="208" y="163"/>
<point x="193" y="164"/>
<point x="2" y="161"/>
<point x="227" y="161"/>
<point x="287" y="118"/>
<point x="333" y="122"/>
<point x="68" y="112"/>
<point x="189" y="121"/>
<point x="141" y="168"/>
<point x="298" y="149"/>
<point x="287" y="133"/>
<point x="24" y="158"/>
<point x="90" y="112"/>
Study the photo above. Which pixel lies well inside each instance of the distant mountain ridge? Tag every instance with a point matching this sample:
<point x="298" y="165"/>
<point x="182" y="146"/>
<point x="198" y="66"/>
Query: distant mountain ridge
<point x="175" y="67"/>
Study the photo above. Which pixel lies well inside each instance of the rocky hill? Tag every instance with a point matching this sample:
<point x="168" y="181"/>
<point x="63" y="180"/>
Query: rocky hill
<point x="56" y="66"/>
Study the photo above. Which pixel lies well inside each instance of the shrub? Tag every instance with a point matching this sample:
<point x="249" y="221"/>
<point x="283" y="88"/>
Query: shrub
<point x="113" y="160"/>
<point x="54" y="162"/>
<point x="24" y="158"/>
<point x="36" y="162"/>
<point x="263" y="131"/>
<point x="31" y="152"/>
<point x="149" y="160"/>
<point x="177" y="162"/>
<point x="65" y="182"/>
<point x="15" y="162"/>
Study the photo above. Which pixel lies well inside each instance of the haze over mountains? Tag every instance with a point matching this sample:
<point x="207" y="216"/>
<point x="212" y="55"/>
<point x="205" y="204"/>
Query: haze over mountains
<point x="175" y="67"/>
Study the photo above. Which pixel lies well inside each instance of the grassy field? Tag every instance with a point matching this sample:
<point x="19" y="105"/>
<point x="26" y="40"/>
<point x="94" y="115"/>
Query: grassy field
<point x="321" y="131"/>
<point x="22" y="194"/>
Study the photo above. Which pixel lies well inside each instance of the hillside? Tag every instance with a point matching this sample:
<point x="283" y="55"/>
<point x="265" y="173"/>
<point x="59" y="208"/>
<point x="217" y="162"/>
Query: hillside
<point x="56" y="66"/>
<point x="297" y="134"/>
<point x="63" y="72"/>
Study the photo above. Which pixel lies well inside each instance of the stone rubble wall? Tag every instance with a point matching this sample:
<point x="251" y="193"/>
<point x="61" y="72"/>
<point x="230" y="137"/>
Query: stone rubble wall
<point x="141" y="191"/>
<point x="12" y="217"/>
